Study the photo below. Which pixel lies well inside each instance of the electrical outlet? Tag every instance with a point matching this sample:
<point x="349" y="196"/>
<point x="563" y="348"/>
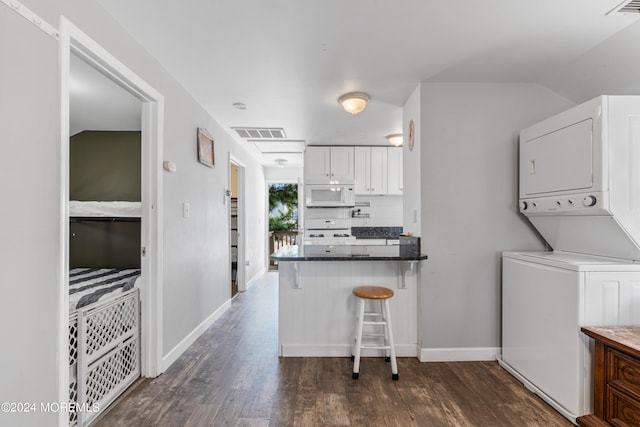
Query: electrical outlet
<point x="186" y="210"/>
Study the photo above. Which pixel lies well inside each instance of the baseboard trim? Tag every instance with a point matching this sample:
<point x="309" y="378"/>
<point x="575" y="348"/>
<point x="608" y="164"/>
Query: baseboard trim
<point x="342" y="350"/>
<point x="183" y="345"/>
<point x="475" y="354"/>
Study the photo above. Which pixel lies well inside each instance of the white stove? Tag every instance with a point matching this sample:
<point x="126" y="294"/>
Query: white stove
<point x="328" y="232"/>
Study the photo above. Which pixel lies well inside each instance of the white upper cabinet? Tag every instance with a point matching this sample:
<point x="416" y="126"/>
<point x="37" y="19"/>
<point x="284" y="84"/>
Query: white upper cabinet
<point x="370" y="170"/>
<point x="317" y="165"/>
<point x="326" y="165"/>
<point x="362" y="170"/>
<point x="394" y="169"/>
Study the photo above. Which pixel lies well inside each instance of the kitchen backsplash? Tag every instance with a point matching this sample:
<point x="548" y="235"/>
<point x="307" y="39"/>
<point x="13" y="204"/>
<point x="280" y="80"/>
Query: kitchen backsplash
<point x="377" y="211"/>
<point x="376" y="232"/>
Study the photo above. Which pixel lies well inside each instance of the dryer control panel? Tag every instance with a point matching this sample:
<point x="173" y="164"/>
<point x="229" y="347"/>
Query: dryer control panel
<point x="572" y="204"/>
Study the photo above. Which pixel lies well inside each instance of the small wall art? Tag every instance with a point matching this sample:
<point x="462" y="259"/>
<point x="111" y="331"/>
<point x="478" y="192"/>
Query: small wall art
<point x="206" y="154"/>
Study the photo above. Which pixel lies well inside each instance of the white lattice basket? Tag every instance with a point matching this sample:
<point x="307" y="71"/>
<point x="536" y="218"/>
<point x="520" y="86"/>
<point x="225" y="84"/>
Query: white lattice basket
<point x="106" y="359"/>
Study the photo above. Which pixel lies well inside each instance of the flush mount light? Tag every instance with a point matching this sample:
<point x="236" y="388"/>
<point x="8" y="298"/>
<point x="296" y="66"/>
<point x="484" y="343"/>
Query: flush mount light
<point x="281" y="162"/>
<point x="354" y="102"/>
<point x="240" y="105"/>
<point x="395" y="139"/>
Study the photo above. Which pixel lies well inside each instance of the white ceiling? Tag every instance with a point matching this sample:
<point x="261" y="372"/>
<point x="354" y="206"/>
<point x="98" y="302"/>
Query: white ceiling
<point x="98" y="103"/>
<point x="289" y="61"/>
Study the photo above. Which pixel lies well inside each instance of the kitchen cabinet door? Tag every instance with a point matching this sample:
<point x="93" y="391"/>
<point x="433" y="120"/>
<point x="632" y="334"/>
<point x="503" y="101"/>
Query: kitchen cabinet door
<point x="394" y="169"/>
<point x="378" y="171"/>
<point x="317" y="165"/>
<point x="342" y="166"/>
<point x="362" y="170"/>
<point x="371" y="170"/>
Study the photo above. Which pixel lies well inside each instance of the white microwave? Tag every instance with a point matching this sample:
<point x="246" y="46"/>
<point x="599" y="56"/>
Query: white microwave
<point x="329" y="195"/>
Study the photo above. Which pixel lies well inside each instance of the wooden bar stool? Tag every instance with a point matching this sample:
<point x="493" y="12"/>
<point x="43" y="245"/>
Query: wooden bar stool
<point x="382" y="318"/>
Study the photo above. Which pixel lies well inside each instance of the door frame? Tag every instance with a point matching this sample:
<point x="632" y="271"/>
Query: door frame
<point x="241" y="277"/>
<point x="72" y="39"/>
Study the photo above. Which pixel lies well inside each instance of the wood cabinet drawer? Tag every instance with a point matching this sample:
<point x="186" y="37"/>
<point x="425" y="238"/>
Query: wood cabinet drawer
<point x="621" y="409"/>
<point x="624" y="373"/>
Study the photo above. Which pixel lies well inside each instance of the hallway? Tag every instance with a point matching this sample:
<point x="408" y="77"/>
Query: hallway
<point x="232" y="376"/>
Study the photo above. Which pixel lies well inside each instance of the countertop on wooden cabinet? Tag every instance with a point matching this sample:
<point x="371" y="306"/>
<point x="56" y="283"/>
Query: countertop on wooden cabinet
<point x="624" y="338"/>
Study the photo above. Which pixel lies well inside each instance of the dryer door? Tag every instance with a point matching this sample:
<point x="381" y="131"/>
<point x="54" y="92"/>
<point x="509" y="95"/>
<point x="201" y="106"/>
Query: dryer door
<point x="558" y="161"/>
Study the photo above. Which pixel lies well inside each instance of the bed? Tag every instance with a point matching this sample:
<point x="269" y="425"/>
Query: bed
<point x="104" y="338"/>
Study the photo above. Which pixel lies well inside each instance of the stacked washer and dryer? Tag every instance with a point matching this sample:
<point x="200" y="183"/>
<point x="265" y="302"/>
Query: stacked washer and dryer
<point x="580" y="188"/>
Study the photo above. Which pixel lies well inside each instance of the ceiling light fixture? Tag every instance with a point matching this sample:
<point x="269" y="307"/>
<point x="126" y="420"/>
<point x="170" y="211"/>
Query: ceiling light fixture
<point x="354" y="102"/>
<point x="240" y="105"/>
<point x="395" y="139"/>
<point x="281" y="162"/>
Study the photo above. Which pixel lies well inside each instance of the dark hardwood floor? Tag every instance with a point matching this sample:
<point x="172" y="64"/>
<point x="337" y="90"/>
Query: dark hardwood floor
<point x="232" y="376"/>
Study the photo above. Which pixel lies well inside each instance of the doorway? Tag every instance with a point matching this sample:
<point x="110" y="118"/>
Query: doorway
<point x="283" y="217"/>
<point x="74" y="42"/>
<point x="236" y="197"/>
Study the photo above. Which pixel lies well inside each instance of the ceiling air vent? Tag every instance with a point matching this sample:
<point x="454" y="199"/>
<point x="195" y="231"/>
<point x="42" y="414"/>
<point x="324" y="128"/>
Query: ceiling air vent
<point x="260" y="133"/>
<point x="626" y="6"/>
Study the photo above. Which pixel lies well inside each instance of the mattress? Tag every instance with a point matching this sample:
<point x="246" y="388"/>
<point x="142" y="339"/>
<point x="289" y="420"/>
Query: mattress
<point x="90" y="285"/>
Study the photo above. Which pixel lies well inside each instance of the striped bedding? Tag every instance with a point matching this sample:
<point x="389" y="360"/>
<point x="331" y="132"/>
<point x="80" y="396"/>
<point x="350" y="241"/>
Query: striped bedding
<point x="89" y="285"/>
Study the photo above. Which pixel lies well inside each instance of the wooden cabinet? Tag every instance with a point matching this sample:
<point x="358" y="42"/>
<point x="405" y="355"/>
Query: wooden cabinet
<point x="616" y="376"/>
<point x="371" y="170"/>
<point x="325" y="165"/>
<point x="394" y="170"/>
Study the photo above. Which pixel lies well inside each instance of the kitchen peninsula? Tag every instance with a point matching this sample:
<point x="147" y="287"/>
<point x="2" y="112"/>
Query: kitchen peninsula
<point x="317" y="308"/>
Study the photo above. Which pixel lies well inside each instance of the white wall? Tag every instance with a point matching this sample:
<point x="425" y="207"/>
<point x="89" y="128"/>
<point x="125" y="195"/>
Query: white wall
<point x="468" y="139"/>
<point x="411" y="169"/>
<point x="29" y="218"/>
<point x="196" y="268"/>
<point x="283" y="175"/>
<point x="611" y="68"/>
<point x="255" y="207"/>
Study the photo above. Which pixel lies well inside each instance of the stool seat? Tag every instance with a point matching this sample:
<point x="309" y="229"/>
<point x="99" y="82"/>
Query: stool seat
<point x="372" y="292"/>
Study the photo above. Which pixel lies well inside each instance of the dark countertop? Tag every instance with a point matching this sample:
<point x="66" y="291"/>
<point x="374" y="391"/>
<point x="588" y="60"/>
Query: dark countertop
<point x="376" y="232"/>
<point x="348" y="253"/>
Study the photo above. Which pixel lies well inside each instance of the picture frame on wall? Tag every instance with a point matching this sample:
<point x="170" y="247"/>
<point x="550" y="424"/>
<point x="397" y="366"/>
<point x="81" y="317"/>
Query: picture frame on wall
<point x="206" y="153"/>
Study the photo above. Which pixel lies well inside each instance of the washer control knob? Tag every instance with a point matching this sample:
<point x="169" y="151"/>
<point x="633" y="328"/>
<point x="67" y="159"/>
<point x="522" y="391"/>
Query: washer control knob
<point x="589" y="201"/>
<point x="524" y="206"/>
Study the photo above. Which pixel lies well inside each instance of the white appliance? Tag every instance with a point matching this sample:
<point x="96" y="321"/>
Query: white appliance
<point x="580" y="177"/>
<point x="580" y="187"/>
<point x="546" y="298"/>
<point x="328" y="231"/>
<point x="329" y="195"/>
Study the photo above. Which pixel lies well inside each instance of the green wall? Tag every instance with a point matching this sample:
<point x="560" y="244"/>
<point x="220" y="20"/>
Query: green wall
<point x="104" y="166"/>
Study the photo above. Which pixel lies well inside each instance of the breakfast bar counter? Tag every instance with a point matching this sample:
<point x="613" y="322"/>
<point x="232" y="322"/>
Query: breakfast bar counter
<point x="317" y="308"/>
<point x="348" y="253"/>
